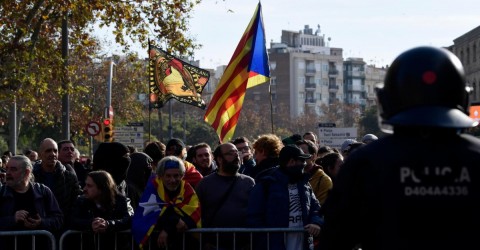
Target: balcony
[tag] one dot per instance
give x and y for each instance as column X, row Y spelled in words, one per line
column 361, row 102
column 333, row 88
column 310, row 71
column 332, row 72
column 310, row 86
column 310, row 101
column 355, row 88
column 357, row 74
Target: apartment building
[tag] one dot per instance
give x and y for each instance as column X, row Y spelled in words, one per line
column 305, row 74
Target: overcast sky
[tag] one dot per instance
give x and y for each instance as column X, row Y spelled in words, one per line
column 376, row 30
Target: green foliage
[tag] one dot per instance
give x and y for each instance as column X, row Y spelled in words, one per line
column 3, row 144
column 34, row 73
column 368, row 123
column 187, row 125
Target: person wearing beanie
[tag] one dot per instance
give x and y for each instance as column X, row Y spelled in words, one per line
column 114, row 158
column 291, row 139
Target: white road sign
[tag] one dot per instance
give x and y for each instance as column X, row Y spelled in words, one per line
column 131, row 135
column 334, row 137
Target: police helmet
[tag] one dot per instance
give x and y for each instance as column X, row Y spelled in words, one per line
column 424, row 86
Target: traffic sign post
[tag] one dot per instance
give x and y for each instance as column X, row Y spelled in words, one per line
column 327, row 125
column 93, row 128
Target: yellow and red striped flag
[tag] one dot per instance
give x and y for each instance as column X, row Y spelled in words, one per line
column 247, row 68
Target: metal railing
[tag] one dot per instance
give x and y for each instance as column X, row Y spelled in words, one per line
column 4, row 235
column 213, row 236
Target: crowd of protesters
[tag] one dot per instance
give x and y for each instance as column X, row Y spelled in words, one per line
column 414, row 189
column 54, row 191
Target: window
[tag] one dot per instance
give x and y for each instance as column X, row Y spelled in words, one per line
column 301, row 80
column 468, row 56
column 474, row 52
column 273, row 80
column 325, row 67
column 301, row 65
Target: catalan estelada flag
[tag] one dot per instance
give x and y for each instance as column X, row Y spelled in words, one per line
column 154, row 202
column 248, row 67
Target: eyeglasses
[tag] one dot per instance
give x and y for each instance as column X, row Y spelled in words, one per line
column 246, row 148
column 232, row 153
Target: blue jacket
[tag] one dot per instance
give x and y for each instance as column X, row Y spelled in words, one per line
column 44, row 202
column 269, row 206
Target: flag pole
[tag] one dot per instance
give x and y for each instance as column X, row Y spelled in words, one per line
column 170, row 128
column 149, row 122
column 149, row 103
column 271, row 105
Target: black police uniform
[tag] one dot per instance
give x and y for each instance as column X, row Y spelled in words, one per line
column 407, row 191
column 418, row 188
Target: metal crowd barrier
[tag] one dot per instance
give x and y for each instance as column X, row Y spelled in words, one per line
column 131, row 244
column 217, row 232
column 5, row 235
column 250, row 231
column 96, row 240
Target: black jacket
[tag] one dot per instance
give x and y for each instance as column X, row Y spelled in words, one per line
column 416, row 189
column 65, row 187
column 84, row 211
column 119, row 219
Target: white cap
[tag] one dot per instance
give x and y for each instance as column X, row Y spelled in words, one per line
column 369, row 137
column 346, row 143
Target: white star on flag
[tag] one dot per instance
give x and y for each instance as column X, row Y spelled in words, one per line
column 151, row 205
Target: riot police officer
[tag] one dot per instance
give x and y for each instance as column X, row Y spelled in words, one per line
column 417, row 188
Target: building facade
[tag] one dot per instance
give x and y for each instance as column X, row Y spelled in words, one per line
column 373, row 76
column 467, row 49
column 354, row 82
column 305, row 74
